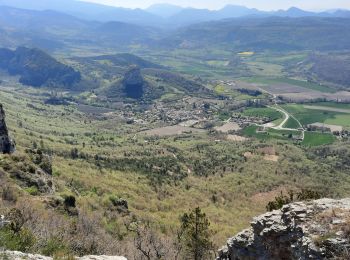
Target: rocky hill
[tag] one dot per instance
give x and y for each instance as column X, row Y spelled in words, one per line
column 36, row 68
column 133, row 83
column 303, row 230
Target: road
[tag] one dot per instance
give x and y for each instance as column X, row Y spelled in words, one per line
column 286, row 118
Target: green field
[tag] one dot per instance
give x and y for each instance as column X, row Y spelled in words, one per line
column 250, row 131
column 263, row 112
column 291, row 123
column 226, row 91
column 309, row 116
column 339, row 119
column 331, row 104
column 316, row 139
column 300, row 83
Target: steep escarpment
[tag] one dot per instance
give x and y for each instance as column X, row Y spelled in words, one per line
column 303, row 230
column 133, row 83
column 6, row 144
column 36, row 68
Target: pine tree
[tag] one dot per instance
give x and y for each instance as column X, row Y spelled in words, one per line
column 196, row 235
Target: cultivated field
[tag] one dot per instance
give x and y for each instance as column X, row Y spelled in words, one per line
column 308, row 114
column 172, row 130
column 228, row 127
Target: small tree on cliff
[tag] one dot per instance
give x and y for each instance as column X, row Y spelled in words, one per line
column 195, row 235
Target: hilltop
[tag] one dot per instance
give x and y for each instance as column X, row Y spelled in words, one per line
column 36, row 68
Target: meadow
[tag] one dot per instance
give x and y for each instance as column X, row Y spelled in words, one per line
column 270, row 134
column 316, row 139
column 266, row 112
column 308, row 116
column 292, row 82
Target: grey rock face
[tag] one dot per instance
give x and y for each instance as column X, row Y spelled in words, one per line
column 133, row 83
column 303, row 230
column 3, row 221
column 6, row 144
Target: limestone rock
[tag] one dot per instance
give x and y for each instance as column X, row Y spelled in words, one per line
column 133, row 83
column 14, row 255
column 303, row 230
column 3, row 221
column 6, row 144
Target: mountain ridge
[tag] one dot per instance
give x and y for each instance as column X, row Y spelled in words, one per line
column 160, row 15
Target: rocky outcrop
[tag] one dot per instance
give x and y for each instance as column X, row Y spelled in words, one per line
column 6, row 144
column 303, row 230
column 14, row 255
column 3, row 221
column 133, row 83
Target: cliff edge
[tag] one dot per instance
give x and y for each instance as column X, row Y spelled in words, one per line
column 317, row 229
column 13, row 255
column 6, row 144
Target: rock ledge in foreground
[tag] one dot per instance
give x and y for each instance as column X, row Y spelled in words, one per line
column 317, row 229
column 14, row 255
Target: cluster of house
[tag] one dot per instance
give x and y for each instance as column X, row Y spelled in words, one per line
column 244, row 121
column 170, row 113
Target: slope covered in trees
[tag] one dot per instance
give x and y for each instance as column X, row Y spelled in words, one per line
column 37, row 69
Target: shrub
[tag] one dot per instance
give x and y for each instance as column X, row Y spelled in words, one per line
column 279, row 202
column 282, row 199
column 54, row 246
column 33, row 190
column 22, row 241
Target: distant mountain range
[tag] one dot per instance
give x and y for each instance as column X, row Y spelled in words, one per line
column 52, row 30
column 265, row 33
column 159, row 15
column 293, row 29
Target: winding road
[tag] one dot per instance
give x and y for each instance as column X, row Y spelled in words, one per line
column 286, row 118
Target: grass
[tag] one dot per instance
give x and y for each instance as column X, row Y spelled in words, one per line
column 316, row 139
column 223, row 90
column 309, row 116
column 246, row 53
column 300, row 83
column 270, row 134
column 339, row 119
column 263, row 112
column 292, row 123
column 265, row 69
column 331, row 104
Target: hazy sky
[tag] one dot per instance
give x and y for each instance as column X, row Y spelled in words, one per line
column 216, row 4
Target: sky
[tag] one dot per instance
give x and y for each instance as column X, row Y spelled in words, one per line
column 314, row 5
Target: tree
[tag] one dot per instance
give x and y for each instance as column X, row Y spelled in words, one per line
column 195, row 235
column 148, row 243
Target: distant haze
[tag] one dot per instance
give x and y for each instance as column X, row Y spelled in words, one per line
column 315, row 5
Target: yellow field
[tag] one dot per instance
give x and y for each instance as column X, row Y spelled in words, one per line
column 246, row 53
